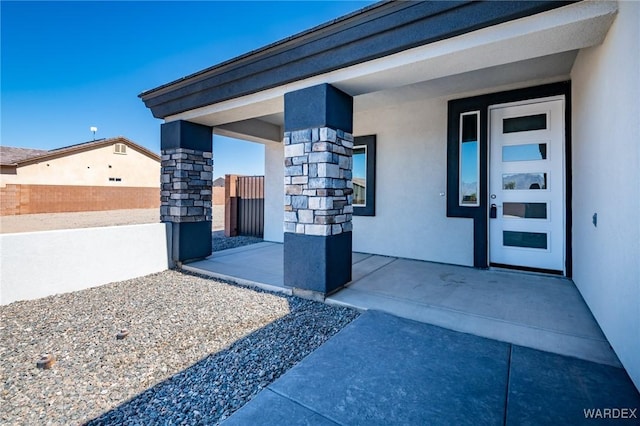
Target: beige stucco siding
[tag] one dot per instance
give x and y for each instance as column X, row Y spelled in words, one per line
column 411, row 173
column 606, row 181
column 90, row 168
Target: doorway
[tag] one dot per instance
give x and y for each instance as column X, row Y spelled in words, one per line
column 527, row 185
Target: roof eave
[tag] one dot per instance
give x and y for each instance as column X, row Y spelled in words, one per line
column 377, row 31
column 265, row 50
column 87, row 147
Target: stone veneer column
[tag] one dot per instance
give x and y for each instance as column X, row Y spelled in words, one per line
column 318, row 149
column 186, row 185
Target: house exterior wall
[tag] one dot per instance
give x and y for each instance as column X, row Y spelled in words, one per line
column 90, row 168
column 411, row 168
column 606, row 181
column 410, row 218
column 218, row 196
column 411, row 172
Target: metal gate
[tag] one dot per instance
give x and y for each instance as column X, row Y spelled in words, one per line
column 244, row 205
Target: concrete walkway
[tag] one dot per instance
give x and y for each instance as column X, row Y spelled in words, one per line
column 383, row 370
column 534, row 311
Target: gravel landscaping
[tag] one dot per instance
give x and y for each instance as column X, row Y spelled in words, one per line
column 219, row 242
column 196, row 351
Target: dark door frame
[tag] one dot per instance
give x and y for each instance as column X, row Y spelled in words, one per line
column 480, row 213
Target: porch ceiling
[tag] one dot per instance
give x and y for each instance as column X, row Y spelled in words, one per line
column 537, row 47
column 543, row 69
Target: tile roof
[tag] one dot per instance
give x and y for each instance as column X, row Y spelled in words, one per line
column 87, row 144
column 11, row 155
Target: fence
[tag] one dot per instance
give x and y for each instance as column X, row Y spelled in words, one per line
column 244, row 205
column 28, row 199
column 39, row 264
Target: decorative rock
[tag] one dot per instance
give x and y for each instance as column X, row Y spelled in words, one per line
column 46, row 361
column 122, row 334
column 197, row 359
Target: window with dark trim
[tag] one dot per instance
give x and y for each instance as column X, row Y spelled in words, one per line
column 469, row 170
column 364, row 176
column 359, row 176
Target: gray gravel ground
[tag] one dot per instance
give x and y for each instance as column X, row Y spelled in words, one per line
column 220, row 242
column 198, row 349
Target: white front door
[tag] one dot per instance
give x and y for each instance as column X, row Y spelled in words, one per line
column 526, row 185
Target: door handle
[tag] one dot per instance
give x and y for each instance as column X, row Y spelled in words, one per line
column 493, row 211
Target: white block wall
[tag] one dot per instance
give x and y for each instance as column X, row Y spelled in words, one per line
column 606, row 181
column 39, row 264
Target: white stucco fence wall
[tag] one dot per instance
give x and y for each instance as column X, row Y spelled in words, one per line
column 606, row 181
column 39, row 264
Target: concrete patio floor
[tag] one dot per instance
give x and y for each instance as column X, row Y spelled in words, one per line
column 382, row 370
column 532, row 311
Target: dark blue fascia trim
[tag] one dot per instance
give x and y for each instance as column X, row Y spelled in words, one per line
column 378, row 31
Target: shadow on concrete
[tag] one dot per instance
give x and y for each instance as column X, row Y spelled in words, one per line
column 385, row 370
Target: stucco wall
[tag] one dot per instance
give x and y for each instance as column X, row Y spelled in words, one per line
column 218, row 196
column 411, row 172
column 90, row 168
column 410, row 218
column 39, row 264
column 273, row 192
column 606, row 181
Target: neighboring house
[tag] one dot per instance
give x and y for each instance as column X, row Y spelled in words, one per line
column 104, row 174
column 496, row 134
column 218, row 192
column 359, row 191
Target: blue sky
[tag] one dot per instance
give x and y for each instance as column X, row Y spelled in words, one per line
column 67, row 66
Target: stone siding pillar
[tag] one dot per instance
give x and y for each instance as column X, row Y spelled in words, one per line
column 186, row 188
column 318, row 149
